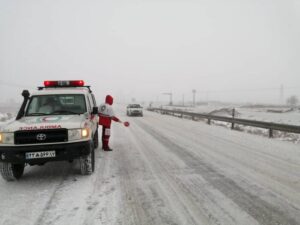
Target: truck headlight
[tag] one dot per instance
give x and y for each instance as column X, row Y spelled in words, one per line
column 77, row 134
column 6, row 138
column 85, row 132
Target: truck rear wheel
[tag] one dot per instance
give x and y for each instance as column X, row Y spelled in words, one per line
column 96, row 140
column 87, row 162
column 10, row 171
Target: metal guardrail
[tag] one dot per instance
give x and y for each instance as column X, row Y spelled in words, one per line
column 253, row 123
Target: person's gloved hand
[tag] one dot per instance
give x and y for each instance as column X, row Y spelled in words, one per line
column 126, row 124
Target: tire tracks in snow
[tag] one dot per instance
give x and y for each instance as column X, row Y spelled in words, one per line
column 69, row 202
column 181, row 202
column 142, row 201
column 103, row 188
column 52, row 198
column 262, row 211
column 275, row 178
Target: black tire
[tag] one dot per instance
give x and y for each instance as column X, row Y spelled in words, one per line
column 11, row 172
column 93, row 160
column 96, row 140
column 87, row 162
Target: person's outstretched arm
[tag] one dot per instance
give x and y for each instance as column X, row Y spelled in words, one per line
column 116, row 119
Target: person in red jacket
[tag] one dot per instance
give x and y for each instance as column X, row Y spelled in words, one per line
column 106, row 115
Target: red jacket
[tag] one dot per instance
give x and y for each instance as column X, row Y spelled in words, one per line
column 106, row 113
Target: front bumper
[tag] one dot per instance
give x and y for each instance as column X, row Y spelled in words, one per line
column 135, row 113
column 64, row 152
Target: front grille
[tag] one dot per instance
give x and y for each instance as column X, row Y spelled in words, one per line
column 41, row 136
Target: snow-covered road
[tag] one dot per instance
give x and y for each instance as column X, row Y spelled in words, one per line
column 165, row 170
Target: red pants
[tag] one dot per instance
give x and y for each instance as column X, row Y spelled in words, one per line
column 105, row 137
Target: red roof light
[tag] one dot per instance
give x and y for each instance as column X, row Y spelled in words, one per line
column 77, row 83
column 64, row 83
column 49, row 83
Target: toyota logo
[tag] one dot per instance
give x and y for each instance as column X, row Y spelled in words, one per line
column 41, row 137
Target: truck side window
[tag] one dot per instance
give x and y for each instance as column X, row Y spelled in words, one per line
column 94, row 100
column 89, row 104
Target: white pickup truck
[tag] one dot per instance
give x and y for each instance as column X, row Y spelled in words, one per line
column 59, row 122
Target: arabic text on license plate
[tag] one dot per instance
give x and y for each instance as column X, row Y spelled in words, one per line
column 37, row 155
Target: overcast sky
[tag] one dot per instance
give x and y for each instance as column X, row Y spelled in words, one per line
column 233, row 50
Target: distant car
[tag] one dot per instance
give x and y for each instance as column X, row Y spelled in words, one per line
column 134, row 110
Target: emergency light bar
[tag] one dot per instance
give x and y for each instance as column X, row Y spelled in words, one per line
column 64, row 83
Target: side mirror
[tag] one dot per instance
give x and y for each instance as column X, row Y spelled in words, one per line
column 95, row 110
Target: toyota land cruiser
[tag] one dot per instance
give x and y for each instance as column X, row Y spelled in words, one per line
column 59, row 122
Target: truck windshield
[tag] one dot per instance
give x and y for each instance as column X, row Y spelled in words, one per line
column 134, row 106
column 65, row 104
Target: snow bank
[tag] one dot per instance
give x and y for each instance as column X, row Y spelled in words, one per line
column 5, row 118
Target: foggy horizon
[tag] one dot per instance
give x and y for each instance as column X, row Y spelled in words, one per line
column 233, row 51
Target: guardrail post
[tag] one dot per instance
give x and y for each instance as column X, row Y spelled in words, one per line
column 270, row 133
column 233, row 115
column 232, row 125
column 208, row 121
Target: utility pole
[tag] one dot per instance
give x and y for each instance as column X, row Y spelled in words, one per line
column 281, row 94
column 171, row 95
column 194, row 97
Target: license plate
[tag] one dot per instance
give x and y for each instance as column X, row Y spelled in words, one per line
column 38, row 155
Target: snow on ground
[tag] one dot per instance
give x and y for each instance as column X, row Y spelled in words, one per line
column 6, row 118
column 285, row 115
column 282, row 115
column 164, row 170
column 7, row 113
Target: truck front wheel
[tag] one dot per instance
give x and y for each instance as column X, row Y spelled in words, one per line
column 87, row 162
column 10, row 171
column 96, row 140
